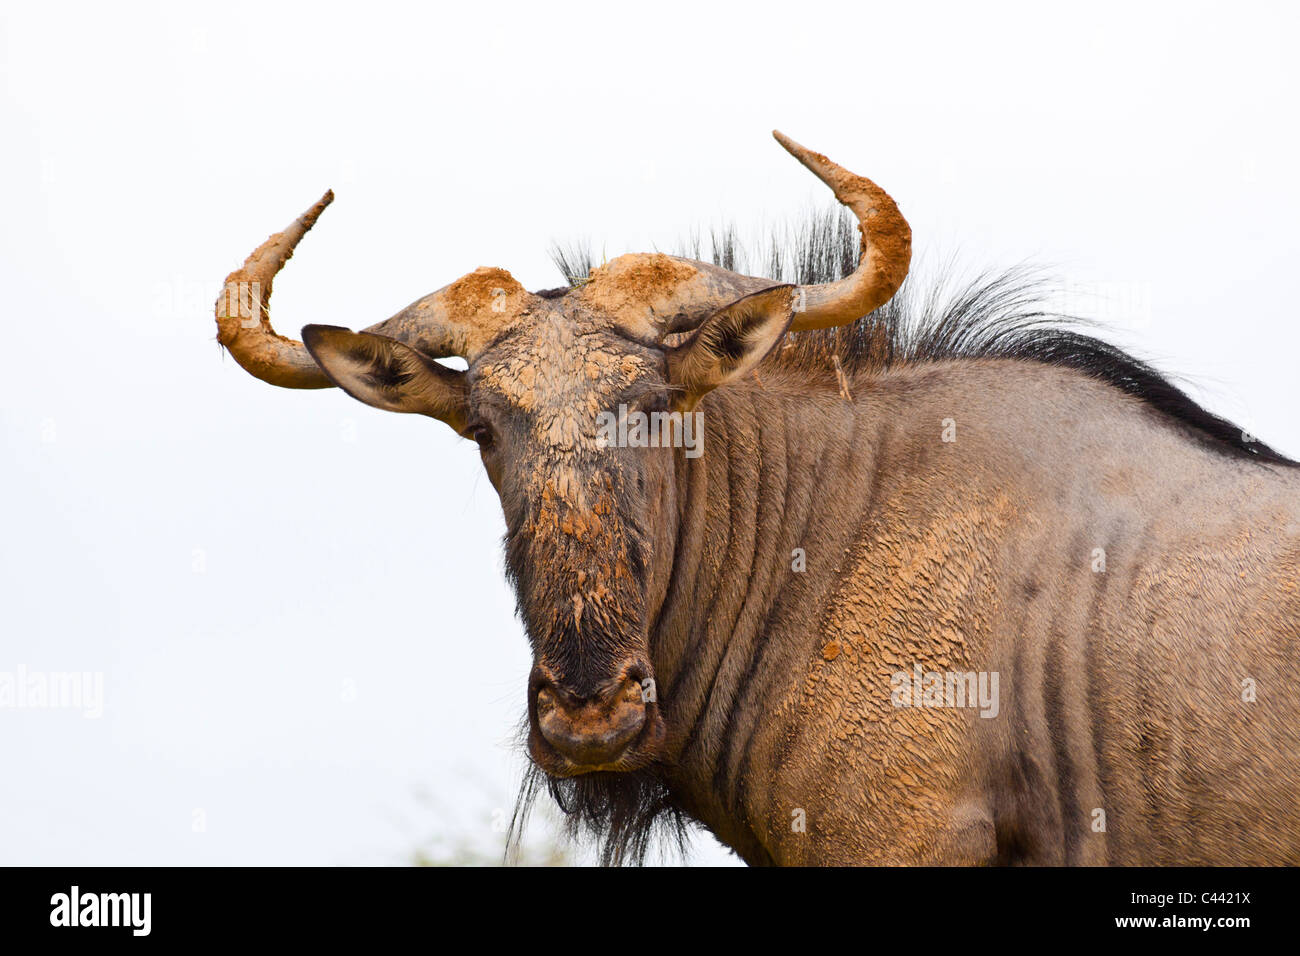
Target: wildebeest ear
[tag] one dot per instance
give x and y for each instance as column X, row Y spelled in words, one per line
column 385, row 373
column 730, row 343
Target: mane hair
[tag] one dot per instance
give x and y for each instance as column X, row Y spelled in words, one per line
column 997, row 314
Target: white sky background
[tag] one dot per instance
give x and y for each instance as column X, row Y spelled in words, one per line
column 234, row 557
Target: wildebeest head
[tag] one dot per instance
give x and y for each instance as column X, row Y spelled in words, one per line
column 590, row 532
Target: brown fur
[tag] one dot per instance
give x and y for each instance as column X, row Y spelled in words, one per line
column 1121, row 690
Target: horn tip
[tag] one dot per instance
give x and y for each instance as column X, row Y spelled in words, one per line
column 308, row 219
column 789, row 144
column 812, row 160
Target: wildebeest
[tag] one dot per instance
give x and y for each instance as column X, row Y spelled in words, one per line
column 956, row 586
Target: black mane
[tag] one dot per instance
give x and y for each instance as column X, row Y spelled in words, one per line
column 994, row 315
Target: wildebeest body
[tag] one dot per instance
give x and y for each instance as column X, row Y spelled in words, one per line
column 1121, row 688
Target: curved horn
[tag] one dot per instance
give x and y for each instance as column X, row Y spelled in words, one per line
column 459, row 319
column 886, row 247
column 654, row 295
column 244, row 319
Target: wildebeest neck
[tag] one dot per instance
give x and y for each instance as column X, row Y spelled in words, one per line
column 751, row 512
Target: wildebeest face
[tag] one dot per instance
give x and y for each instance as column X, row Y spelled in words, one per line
column 588, row 523
column 590, row 514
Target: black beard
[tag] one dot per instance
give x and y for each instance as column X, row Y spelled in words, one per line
column 623, row 812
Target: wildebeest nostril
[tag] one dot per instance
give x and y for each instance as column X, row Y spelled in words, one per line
column 545, row 700
column 595, row 731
